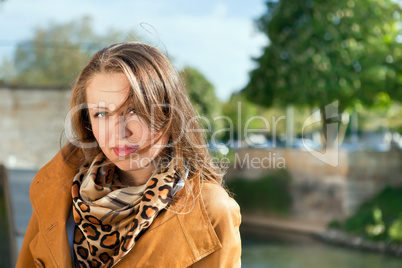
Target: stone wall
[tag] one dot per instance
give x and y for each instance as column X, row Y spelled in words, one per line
column 31, row 125
column 321, row 191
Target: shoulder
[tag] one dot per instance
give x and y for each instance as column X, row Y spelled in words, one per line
column 47, row 169
column 56, row 171
column 58, row 165
column 220, row 207
column 216, row 197
column 53, row 164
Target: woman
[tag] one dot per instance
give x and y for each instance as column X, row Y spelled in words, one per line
column 135, row 185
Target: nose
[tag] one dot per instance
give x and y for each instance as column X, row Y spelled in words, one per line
column 121, row 131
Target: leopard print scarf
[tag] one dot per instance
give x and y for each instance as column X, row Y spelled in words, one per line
column 109, row 217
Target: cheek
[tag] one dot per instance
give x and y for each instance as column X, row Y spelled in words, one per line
column 100, row 132
column 160, row 145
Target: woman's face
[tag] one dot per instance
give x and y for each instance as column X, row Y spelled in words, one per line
column 120, row 136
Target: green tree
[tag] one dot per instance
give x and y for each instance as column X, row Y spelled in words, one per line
column 326, row 51
column 56, row 53
column 202, row 95
column 239, row 110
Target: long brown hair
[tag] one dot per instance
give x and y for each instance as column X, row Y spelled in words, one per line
column 158, row 97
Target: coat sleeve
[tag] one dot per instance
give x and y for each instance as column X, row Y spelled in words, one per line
column 224, row 214
column 25, row 258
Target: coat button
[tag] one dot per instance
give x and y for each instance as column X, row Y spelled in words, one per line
column 39, row 263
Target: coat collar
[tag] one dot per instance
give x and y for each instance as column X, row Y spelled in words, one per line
column 51, row 200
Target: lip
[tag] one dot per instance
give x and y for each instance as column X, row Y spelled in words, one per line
column 125, row 150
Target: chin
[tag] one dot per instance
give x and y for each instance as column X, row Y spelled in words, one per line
column 132, row 162
column 125, row 165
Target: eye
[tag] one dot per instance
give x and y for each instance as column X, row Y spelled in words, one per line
column 100, row 114
column 131, row 111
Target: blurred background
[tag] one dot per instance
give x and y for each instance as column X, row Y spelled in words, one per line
column 303, row 98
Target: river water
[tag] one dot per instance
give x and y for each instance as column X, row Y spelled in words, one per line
column 277, row 253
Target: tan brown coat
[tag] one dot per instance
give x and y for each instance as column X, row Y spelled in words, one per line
column 208, row 236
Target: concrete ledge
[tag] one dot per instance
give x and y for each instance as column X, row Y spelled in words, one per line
column 285, row 224
column 297, row 230
column 341, row 238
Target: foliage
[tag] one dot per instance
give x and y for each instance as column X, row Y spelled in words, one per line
column 378, row 227
column 322, row 51
column 379, row 218
column 247, row 116
column 202, row 95
column 268, row 194
column 395, row 230
column 379, row 119
column 56, row 53
column 326, row 51
column 334, row 224
column 238, row 110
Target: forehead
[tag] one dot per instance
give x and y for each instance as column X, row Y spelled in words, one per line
column 107, row 88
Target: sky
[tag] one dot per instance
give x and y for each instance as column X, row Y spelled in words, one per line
column 218, row 38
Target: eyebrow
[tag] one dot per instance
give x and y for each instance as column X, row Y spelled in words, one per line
column 98, row 107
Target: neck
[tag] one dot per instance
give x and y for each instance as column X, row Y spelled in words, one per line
column 140, row 176
column 135, row 177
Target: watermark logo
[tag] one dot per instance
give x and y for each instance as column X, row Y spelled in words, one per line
column 269, row 161
column 246, row 135
column 328, row 154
